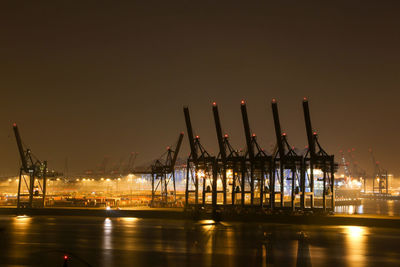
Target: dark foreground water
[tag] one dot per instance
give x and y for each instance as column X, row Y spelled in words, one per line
column 92, row 241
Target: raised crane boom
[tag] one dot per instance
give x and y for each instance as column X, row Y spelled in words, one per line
column 33, row 191
column 218, row 128
column 190, row 134
column 278, row 131
column 131, row 162
column 377, row 171
column 247, row 130
column 24, row 160
column 176, row 152
column 310, row 135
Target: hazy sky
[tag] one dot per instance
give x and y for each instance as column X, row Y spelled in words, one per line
column 84, row 80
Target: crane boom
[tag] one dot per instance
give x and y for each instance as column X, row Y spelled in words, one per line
column 24, row 161
column 178, row 146
column 190, row 133
column 377, row 171
column 307, row 119
column 218, row 128
column 247, row 129
column 278, row 131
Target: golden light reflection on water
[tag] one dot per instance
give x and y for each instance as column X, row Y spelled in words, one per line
column 350, row 209
column 107, row 234
column 129, row 219
column 208, row 227
column 390, row 204
column 356, row 241
column 22, row 223
column 207, row 222
column 230, row 242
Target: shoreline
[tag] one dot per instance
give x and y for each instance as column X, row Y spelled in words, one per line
column 180, row 214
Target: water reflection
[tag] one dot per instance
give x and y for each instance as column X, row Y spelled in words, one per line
column 372, row 206
column 107, row 242
column 129, row 219
column 390, row 204
column 303, row 251
column 205, row 222
column 107, row 233
column 148, row 242
column 22, row 224
column 356, row 240
column 350, row 209
column 22, row 219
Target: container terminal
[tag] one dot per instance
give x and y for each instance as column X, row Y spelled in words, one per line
column 285, row 180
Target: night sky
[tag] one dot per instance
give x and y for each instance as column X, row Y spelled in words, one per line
column 85, row 80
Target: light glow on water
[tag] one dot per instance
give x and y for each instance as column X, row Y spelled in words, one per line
column 107, row 233
column 151, row 242
column 22, row 222
column 129, row 219
column 355, row 232
column 207, row 222
column 356, row 238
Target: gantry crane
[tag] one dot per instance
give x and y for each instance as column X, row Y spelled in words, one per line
column 318, row 159
column 231, row 165
column 288, row 161
column 357, row 172
column 380, row 176
column 259, row 164
column 163, row 173
column 345, row 164
column 200, row 165
column 32, row 177
column 131, row 163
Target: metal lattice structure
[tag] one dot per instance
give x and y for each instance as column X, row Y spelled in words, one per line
column 253, row 178
column 163, row 175
column 380, row 182
column 201, row 168
column 316, row 158
column 288, row 166
column 32, row 177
